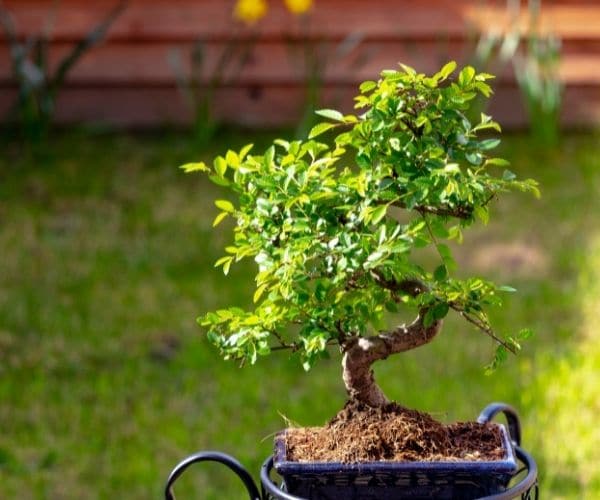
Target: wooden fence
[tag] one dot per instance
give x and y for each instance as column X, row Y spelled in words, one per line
column 129, row 80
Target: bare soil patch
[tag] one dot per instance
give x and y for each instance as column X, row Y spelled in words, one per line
column 518, row 258
column 359, row 433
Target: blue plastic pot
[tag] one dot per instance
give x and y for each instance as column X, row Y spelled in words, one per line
column 396, row 480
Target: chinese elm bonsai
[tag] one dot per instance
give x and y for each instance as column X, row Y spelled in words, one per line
column 338, row 227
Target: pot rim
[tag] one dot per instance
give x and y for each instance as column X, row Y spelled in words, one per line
column 506, row 465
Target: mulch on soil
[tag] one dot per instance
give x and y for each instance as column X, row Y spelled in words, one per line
column 360, row 433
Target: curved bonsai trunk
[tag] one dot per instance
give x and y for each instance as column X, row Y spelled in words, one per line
column 360, row 353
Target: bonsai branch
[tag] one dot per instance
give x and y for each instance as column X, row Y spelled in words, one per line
column 361, row 352
column 282, row 343
column 412, row 287
column 294, row 347
column 485, row 328
column 416, row 131
column 458, row 212
column 464, row 212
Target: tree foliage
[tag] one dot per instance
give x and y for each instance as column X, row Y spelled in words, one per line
column 338, row 226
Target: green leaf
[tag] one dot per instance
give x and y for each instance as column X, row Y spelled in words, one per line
column 332, row 114
column 367, row 86
column 446, row 255
column 499, row 358
column 225, row 262
column 390, row 73
column 320, row 128
column 484, row 76
column 488, row 144
column 455, row 233
column 452, row 168
column 440, row 310
column 421, row 120
column 440, row 273
column 429, row 318
column 225, row 205
column 438, row 228
column 222, row 260
column 212, row 337
column 484, row 88
column 220, row 165
column 525, row 334
column 408, row 70
column 283, row 143
column 269, row 157
column 499, row 162
column 259, row 291
column 532, row 186
column 379, row 213
column 391, row 306
column 483, row 214
column 219, row 218
column 263, row 349
column 361, row 102
column 483, row 126
column 508, row 289
column 363, row 160
column 395, row 143
column 232, row 159
column 244, row 151
column 195, row 167
column 375, row 256
column 474, row 158
column 507, row 175
column 447, row 70
column 466, row 75
column 219, row 181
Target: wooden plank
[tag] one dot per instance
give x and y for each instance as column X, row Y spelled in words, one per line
column 269, row 107
column 133, row 65
column 152, row 20
column 209, row 19
column 151, row 64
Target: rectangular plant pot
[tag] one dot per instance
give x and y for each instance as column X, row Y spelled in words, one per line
column 395, row 480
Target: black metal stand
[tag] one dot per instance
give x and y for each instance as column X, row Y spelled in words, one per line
column 526, row 488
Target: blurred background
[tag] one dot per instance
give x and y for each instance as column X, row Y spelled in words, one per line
column 107, row 249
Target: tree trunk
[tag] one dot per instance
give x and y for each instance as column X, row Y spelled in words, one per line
column 361, row 352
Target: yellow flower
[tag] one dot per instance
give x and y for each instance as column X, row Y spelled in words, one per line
column 298, row 7
column 250, row 11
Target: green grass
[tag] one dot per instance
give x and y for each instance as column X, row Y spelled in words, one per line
column 106, row 253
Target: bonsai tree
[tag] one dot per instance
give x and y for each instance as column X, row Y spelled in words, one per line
column 340, row 228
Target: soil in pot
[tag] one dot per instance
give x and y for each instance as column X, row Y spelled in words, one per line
column 359, row 433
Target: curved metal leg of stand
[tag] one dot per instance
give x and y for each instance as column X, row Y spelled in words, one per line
column 512, row 419
column 526, row 488
column 269, row 488
column 212, row 456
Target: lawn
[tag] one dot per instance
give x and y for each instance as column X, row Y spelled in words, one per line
column 106, row 381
